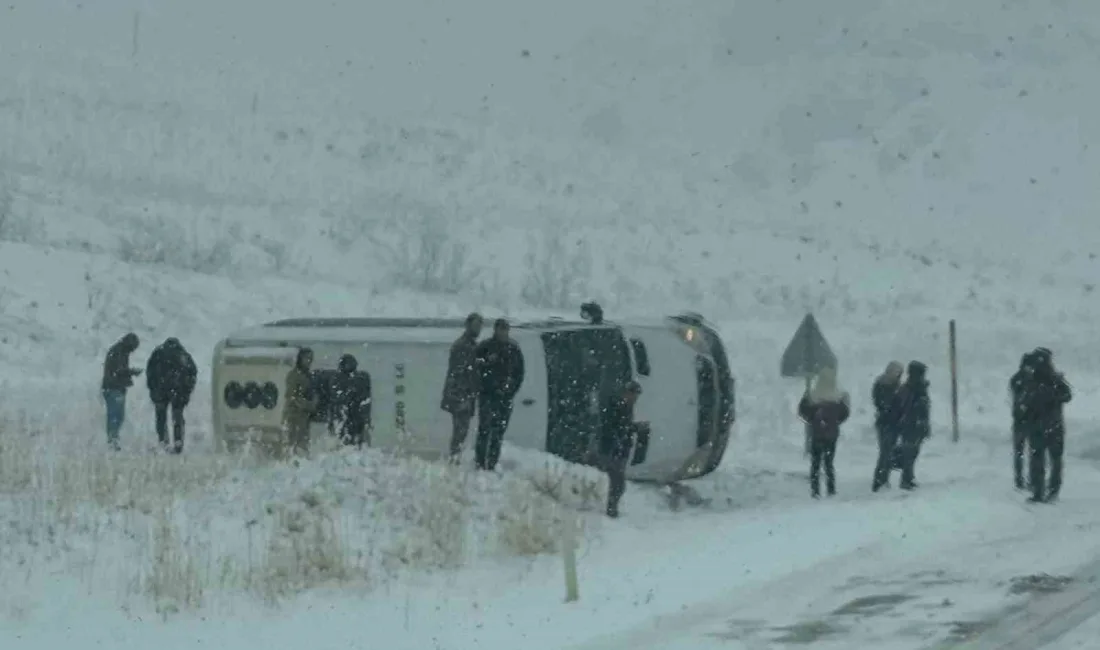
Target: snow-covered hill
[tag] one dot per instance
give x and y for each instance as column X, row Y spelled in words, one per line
column 187, row 168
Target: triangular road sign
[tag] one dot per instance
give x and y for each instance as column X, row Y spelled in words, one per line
column 808, row 352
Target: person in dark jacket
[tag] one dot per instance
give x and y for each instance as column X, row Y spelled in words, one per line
column 884, row 395
column 1017, row 387
column 170, row 375
column 300, row 403
column 824, row 408
column 915, row 424
column 118, row 377
column 500, row 370
column 460, row 388
column 1045, row 399
column 618, row 432
column 352, row 402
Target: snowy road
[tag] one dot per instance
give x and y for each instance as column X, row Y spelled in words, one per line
column 1067, row 619
column 1001, row 573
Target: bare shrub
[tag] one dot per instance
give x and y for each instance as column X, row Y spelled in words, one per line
column 572, row 486
column 174, row 580
column 304, row 550
column 158, row 240
column 427, row 254
column 558, row 268
column 344, row 228
column 7, row 201
column 438, row 519
column 530, row 523
column 20, row 226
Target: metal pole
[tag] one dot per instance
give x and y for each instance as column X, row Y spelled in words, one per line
column 954, row 383
column 807, row 441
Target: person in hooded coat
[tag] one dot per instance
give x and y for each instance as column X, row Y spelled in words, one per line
column 118, row 377
column 352, row 402
column 618, row 434
column 884, row 395
column 915, row 423
column 1017, row 388
column 824, row 408
column 300, row 403
column 460, row 388
column 1045, row 399
column 170, row 376
column 500, row 367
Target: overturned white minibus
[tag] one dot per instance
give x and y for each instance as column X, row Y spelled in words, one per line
column 680, row 361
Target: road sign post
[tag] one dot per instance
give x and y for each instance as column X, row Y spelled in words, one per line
column 806, row 355
column 954, row 382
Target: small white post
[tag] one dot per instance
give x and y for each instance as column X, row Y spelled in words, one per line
column 569, row 555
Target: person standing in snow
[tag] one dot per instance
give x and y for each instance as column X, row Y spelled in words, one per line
column 500, row 369
column 460, row 388
column 618, row 433
column 170, row 375
column 118, row 377
column 824, row 408
column 300, row 403
column 1045, row 399
column 915, row 424
column 1017, row 388
column 884, row 395
column 352, row 402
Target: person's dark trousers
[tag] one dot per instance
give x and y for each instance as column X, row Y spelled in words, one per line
column 493, row 417
column 910, row 450
column 1056, row 446
column 1019, row 447
column 1037, row 464
column 615, row 467
column 822, row 452
column 460, row 428
column 161, row 409
column 354, row 432
column 887, row 442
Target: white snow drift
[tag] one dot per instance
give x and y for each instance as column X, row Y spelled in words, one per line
column 186, row 169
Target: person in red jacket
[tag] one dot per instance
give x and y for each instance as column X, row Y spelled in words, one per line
column 824, row 408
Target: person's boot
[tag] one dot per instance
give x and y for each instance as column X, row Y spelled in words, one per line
column 613, row 508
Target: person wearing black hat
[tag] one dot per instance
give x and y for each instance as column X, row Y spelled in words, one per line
column 353, row 401
column 1045, row 400
column 460, row 388
column 500, row 370
column 1018, row 386
column 915, row 422
column 618, row 433
column 300, row 403
column 170, row 375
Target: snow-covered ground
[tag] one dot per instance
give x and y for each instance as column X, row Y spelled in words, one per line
column 187, row 168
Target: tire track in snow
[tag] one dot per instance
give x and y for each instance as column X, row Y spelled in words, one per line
column 868, row 560
column 1043, row 620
